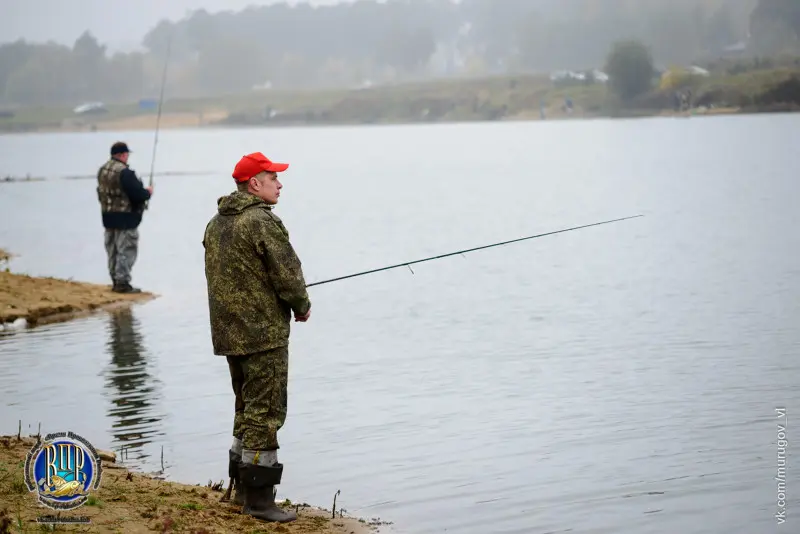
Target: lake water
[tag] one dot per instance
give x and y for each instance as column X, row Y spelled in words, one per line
column 617, row 379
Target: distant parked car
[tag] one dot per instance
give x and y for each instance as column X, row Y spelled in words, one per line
column 90, row 108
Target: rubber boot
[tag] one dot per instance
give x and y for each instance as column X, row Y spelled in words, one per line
column 259, row 500
column 233, row 472
column 125, row 288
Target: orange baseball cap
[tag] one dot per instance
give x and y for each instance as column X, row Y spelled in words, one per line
column 254, row 163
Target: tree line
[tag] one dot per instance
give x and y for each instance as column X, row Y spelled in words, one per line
column 348, row 44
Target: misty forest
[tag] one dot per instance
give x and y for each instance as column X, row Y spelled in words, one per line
column 349, row 45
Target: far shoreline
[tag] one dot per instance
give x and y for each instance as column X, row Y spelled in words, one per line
column 751, row 89
column 177, row 124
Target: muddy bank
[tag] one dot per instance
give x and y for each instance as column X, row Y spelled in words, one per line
column 27, row 301
column 130, row 502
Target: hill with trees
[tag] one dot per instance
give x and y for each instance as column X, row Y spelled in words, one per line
column 367, row 43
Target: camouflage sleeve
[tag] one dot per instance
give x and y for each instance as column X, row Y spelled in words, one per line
column 283, row 266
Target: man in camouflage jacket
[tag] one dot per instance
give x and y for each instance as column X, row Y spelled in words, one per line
column 255, row 282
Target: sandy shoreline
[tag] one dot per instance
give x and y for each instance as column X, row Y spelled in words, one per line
column 216, row 119
column 131, row 502
column 168, row 121
column 27, row 301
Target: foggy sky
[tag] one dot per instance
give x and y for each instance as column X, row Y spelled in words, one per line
column 119, row 23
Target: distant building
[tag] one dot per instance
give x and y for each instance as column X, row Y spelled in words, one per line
column 148, row 104
column 565, row 76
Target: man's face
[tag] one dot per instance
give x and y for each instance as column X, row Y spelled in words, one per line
column 123, row 157
column 266, row 186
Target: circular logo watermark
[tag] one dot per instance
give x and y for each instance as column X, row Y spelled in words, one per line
column 62, row 469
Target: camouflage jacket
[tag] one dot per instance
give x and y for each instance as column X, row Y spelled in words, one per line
column 254, row 277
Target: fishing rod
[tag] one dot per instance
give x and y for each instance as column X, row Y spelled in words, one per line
column 410, row 263
column 160, row 105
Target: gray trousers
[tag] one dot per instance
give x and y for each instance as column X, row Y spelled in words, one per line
column 122, row 247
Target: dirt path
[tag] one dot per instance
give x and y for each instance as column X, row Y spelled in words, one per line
column 134, row 503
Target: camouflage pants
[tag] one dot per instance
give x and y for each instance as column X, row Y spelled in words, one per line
column 260, row 383
column 122, row 247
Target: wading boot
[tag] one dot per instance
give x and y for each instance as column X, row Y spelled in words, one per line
column 125, row 288
column 259, row 500
column 233, row 472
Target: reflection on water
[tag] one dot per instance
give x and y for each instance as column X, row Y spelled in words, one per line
column 131, row 388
